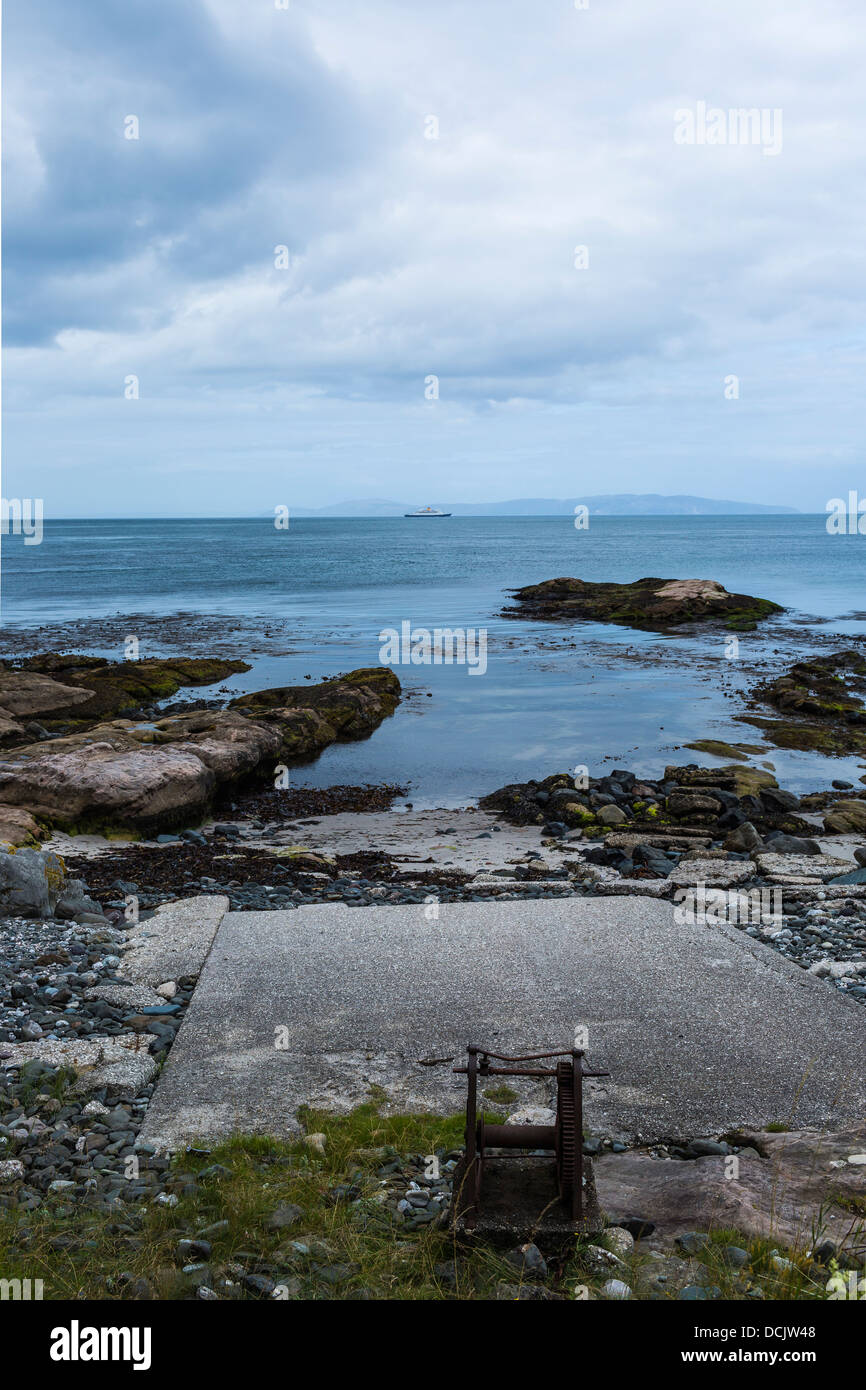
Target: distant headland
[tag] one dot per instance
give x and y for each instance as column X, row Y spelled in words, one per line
column 606, row 504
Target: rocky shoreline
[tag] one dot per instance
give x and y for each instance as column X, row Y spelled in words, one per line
column 81, row 1041
column 71, row 1152
column 105, row 758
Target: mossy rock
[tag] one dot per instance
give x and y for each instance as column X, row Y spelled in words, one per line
column 653, row 604
column 352, row 705
column 119, row 688
column 820, row 703
column 719, row 749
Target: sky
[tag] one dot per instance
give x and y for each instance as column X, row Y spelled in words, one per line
column 260, row 256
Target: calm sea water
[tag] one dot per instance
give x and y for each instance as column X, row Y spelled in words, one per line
column 312, row 601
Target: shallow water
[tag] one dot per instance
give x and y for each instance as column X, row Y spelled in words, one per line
column 312, row 601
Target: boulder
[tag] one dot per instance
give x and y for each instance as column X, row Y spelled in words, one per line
column 821, row 705
column 744, row 839
column 148, row 775
column 846, row 816
column 353, row 705
column 105, row 781
column 856, row 876
column 612, row 815
column 779, row 843
column 104, row 689
column 74, row 903
column 31, row 882
column 777, row 799
column 303, row 732
column 692, row 803
column 18, row 827
column 742, row 781
column 26, row 693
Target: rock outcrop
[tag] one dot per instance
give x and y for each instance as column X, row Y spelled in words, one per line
column 687, row 802
column 67, row 693
column 655, row 604
column 162, row 773
column 820, row 704
column 793, row 1188
column 31, row 882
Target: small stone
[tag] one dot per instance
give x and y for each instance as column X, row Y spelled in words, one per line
column 259, row 1284
column 194, row 1249
column 616, row 1288
column 217, row 1228
column 598, row 1260
column 529, row 1260
column 343, row 1192
column 283, row 1216
column 168, row 990
column 619, row 1241
column 704, row 1148
column 693, row 1242
column 315, row 1141
column 735, row 1256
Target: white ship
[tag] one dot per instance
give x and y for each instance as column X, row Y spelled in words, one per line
column 427, row 511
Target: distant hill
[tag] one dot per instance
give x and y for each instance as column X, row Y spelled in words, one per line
column 606, row 504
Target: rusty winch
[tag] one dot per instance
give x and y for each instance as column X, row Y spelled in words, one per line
column 564, row 1139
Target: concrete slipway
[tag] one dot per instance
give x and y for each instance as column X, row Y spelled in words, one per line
column 700, row 1027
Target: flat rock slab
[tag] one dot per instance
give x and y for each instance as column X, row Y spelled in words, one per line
column 700, row 1027
column 716, row 873
column 803, row 1189
column 120, row 1062
column 172, row 943
column 809, row 867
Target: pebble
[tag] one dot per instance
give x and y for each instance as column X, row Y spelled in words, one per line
column 616, row 1288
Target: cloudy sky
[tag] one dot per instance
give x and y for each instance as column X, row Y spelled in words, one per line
column 430, row 169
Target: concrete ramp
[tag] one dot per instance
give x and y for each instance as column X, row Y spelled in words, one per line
column 700, row 1027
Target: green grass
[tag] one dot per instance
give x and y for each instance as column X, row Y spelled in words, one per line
column 81, row 1253
column 500, row 1095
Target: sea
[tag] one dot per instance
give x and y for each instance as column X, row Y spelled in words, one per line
column 314, row 598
